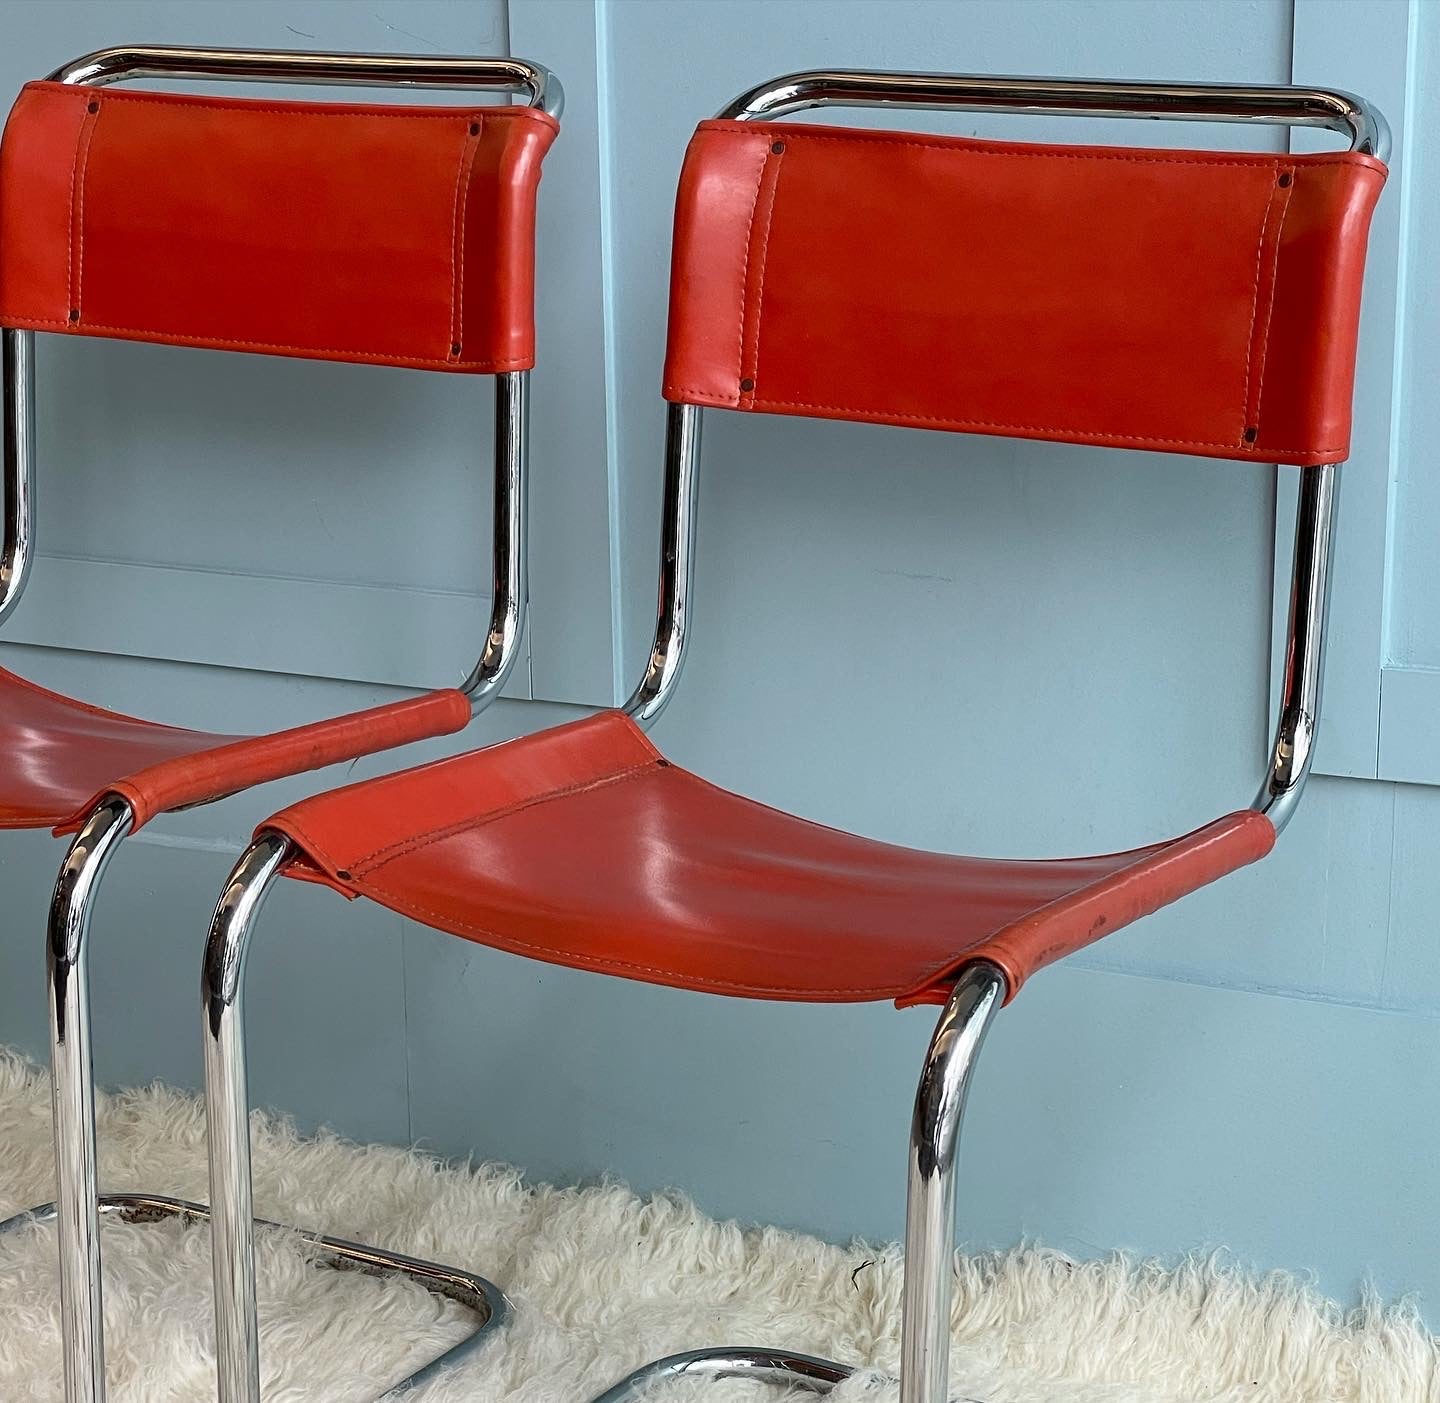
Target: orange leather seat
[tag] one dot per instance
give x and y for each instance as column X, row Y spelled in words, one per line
column 59, row 757
column 583, row 846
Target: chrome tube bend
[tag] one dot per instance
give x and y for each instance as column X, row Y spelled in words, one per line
column 227, row 1107
column 930, row 1208
column 72, row 1090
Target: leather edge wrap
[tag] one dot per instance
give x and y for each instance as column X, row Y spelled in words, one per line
column 251, row 760
column 471, row 788
column 1155, row 879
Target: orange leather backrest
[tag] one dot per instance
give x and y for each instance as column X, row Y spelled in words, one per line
column 1173, row 300
column 395, row 235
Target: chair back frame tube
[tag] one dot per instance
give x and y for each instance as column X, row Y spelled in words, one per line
column 509, row 600
column 17, row 534
column 1292, row 748
column 1310, row 577
column 1331, row 108
column 677, row 563
column 510, row 592
column 435, row 71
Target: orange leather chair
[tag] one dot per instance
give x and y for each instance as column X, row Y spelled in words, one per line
column 1062, row 317
column 380, row 234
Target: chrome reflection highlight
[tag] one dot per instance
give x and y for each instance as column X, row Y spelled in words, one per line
column 474, row 1292
column 935, row 1126
column 505, row 75
column 510, row 533
column 1331, row 108
column 1304, row 644
column 771, row 1366
column 930, row 1206
column 227, row 1117
column 16, row 546
column 677, row 564
column 72, row 1093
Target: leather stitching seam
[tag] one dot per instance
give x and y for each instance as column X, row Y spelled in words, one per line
column 438, row 362
column 87, row 140
column 1254, row 315
column 745, row 271
column 760, row 269
column 1099, row 435
column 1264, row 350
column 1156, row 860
column 468, row 149
column 74, row 261
column 602, row 963
column 372, row 861
column 327, row 109
column 1277, row 163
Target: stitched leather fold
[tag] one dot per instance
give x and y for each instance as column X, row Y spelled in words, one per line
column 386, row 234
column 1179, row 301
column 582, row 846
column 59, row 757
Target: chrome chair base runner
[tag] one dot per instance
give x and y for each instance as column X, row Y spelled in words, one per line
column 474, row 1292
column 773, row 1366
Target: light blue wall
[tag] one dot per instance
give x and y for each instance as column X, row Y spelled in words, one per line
column 957, row 643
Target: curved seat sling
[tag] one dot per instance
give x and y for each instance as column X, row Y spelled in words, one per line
column 386, row 235
column 890, row 277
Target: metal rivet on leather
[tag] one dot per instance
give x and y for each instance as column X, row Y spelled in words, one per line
column 93, row 107
column 454, row 348
column 1251, row 434
column 74, row 314
column 1285, row 178
column 474, row 128
column 777, row 147
column 746, row 386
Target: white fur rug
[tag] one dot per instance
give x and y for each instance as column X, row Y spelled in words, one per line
column 602, row 1281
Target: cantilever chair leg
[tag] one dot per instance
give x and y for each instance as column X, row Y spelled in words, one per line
column 929, row 1226
column 222, row 988
column 771, row 1366
column 72, row 1085
column 930, row 1204
column 78, row 1207
column 227, row 1104
column 474, row 1292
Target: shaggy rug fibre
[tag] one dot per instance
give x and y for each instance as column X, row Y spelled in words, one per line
column 602, row 1281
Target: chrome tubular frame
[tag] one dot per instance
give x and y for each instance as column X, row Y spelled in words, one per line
column 1304, row 644
column 18, row 355
column 981, row 989
column 771, row 1366
column 227, row 1117
column 474, row 1292
column 440, row 71
column 77, row 1208
column 935, row 1127
column 72, row 1091
column 1072, row 97
column 930, row 1202
column 510, row 534
column 677, row 563
column 227, row 1110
